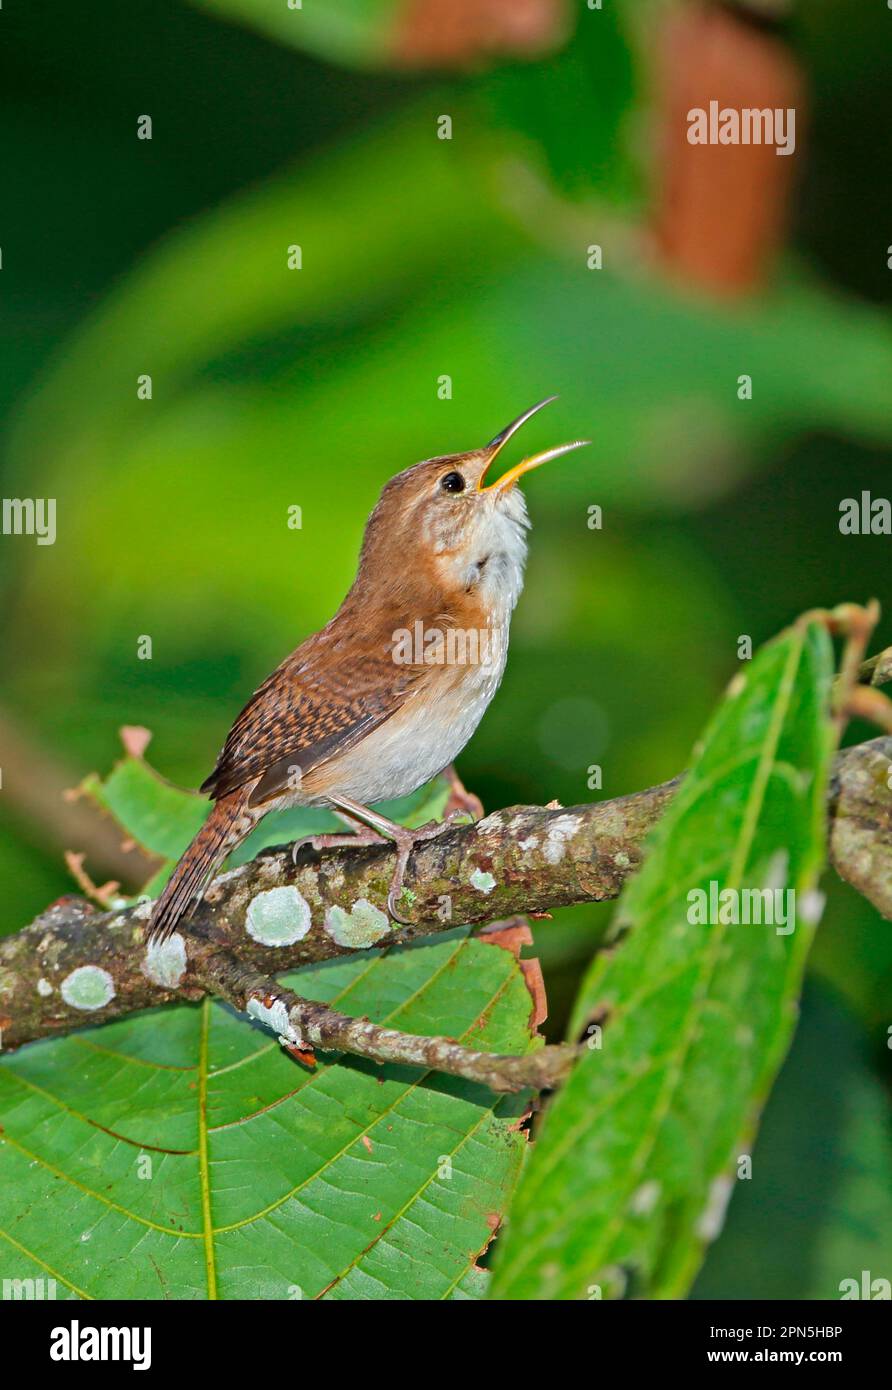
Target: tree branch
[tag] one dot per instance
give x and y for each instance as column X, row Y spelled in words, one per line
column 74, row 966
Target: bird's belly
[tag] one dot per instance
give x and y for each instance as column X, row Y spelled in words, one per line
column 413, row 746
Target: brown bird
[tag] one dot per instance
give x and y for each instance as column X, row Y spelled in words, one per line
column 391, row 689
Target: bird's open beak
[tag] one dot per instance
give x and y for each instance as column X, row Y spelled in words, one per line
column 496, row 445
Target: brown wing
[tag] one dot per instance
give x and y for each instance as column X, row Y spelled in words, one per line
column 323, row 698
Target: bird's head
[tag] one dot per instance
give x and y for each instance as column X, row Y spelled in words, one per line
column 448, row 522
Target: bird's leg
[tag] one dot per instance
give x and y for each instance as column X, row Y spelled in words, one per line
column 404, row 839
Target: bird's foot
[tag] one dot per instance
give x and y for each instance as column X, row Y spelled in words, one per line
column 405, row 841
column 364, row 835
column 400, row 836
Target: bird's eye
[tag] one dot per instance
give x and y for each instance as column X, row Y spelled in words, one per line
column 452, row 482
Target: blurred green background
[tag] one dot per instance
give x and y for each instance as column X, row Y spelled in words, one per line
column 424, row 258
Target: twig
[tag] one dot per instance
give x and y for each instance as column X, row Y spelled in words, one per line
column 303, row 1024
column 877, row 670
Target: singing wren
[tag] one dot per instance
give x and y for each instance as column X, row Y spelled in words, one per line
column 359, row 714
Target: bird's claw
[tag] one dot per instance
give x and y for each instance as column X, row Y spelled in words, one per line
column 392, row 909
column 299, row 845
column 404, row 847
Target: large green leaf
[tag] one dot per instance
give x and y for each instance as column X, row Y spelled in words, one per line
column 183, row 1154
column 188, row 1156
column 637, row 1154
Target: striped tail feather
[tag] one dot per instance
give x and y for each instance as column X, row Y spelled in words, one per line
column 226, row 827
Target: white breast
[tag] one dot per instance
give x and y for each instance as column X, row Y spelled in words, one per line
column 421, row 739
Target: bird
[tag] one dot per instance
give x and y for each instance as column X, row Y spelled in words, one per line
column 388, row 693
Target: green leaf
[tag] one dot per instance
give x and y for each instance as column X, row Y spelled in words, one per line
column 637, row 1154
column 473, row 1286
column 159, row 816
column 355, row 32
column 183, row 1154
column 188, row 1156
